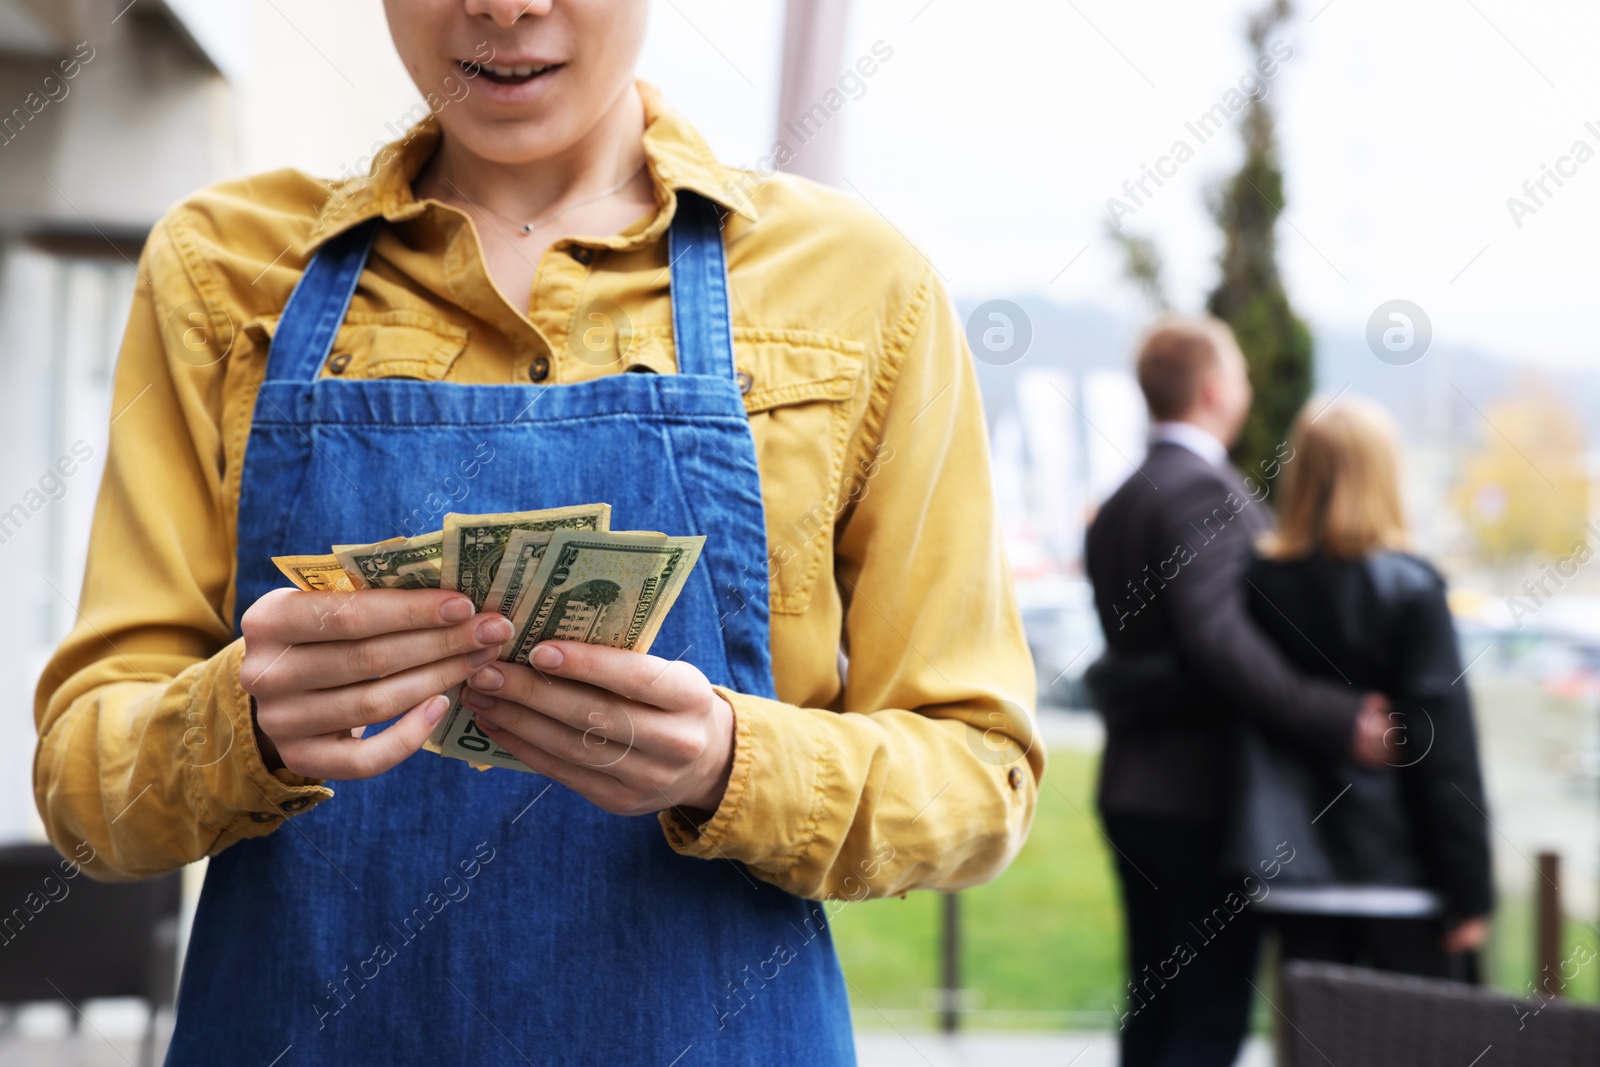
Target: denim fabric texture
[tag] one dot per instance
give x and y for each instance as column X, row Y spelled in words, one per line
column 438, row 914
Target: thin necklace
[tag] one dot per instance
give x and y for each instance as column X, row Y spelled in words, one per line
column 525, row 228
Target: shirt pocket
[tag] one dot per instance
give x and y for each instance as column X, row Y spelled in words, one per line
column 800, row 401
column 399, row 343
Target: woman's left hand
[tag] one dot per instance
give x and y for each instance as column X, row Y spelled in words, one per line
column 633, row 733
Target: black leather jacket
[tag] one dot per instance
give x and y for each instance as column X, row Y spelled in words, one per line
column 1383, row 623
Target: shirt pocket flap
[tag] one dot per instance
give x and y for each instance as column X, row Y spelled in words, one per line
column 399, row 343
column 795, row 367
column 803, row 391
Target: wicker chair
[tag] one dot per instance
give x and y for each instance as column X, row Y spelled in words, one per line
column 75, row 939
column 1356, row 1017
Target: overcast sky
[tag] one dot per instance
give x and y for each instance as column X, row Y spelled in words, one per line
column 996, row 132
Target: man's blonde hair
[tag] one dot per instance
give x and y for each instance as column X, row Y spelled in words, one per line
column 1174, row 357
column 1341, row 490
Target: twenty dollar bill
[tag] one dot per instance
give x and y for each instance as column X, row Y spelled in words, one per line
column 398, row 563
column 475, row 544
column 609, row 589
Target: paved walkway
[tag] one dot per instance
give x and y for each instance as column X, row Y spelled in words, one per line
column 911, row 1049
column 876, row 1049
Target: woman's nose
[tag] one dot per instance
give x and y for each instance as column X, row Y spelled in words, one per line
column 507, row 12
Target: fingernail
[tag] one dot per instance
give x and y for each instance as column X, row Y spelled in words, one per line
column 458, row 609
column 489, row 678
column 476, row 699
column 483, row 655
column 494, row 631
column 436, row 709
column 547, row 656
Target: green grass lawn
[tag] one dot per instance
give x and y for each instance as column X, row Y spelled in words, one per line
column 1043, row 942
column 1511, row 953
column 1045, row 937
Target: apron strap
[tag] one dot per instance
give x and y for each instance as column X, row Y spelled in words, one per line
column 702, row 326
column 318, row 304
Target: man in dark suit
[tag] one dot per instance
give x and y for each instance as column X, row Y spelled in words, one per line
column 1167, row 555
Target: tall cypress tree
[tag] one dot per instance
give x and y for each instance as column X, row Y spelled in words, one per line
column 1250, row 296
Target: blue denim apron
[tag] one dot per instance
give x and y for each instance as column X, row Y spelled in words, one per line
column 441, row 915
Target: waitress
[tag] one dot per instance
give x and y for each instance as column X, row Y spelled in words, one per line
column 836, row 707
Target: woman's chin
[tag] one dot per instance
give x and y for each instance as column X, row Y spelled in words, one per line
column 513, row 139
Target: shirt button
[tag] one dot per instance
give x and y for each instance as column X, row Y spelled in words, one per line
column 339, row 362
column 540, row 370
column 582, row 255
column 263, row 816
column 1015, row 778
column 745, row 382
column 296, row 804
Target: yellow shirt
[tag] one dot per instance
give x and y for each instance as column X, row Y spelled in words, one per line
column 914, row 766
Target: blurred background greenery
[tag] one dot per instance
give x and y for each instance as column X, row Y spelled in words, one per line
column 1043, row 942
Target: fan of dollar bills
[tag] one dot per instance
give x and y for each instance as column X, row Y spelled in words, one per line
column 556, row 574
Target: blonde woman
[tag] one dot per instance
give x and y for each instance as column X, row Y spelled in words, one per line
column 1395, row 873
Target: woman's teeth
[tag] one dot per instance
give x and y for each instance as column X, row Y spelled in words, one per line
column 507, row 73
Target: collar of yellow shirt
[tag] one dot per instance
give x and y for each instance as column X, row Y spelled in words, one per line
column 678, row 158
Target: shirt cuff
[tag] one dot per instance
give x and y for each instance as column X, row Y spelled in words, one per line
column 233, row 787
column 767, row 829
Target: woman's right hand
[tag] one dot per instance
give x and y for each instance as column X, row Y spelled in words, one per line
column 320, row 667
column 1467, row 935
column 1371, row 742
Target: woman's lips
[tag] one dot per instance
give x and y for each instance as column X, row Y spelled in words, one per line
column 510, row 84
column 508, row 74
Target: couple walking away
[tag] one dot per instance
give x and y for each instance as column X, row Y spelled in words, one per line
column 1289, row 745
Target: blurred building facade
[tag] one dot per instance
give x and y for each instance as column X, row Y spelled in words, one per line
column 109, row 112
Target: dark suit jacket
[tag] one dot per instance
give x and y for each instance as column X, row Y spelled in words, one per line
column 1167, row 555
